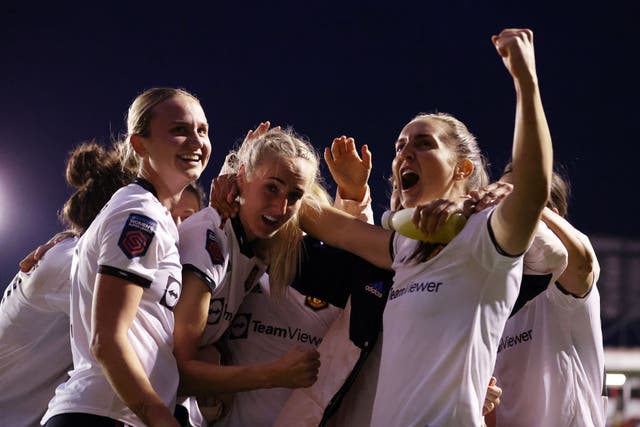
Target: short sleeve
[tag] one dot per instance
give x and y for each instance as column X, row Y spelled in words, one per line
column 203, row 246
column 130, row 244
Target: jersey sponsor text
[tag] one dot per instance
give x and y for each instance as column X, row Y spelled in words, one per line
column 510, row 341
column 415, row 287
column 286, row 333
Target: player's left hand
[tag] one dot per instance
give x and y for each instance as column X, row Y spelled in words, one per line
column 36, row 255
column 348, row 169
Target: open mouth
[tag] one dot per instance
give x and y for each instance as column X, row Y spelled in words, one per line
column 269, row 220
column 409, row 179
column 190, row 157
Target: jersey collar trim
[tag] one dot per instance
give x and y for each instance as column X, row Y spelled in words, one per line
column 241, row 237
column 146, row 185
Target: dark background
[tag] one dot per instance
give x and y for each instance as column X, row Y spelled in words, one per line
column 68, row 74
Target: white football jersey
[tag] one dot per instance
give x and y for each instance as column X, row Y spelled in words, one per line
column 551, row 361
column 222, row 257
column 35, row 353
column 133, row 238
column 441, row 329
column 263, row 330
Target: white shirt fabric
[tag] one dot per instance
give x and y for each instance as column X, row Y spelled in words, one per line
column 551, row 361
column 133, row 237
column 441, row 329
column 35, row 353
column 264, row 329
column 546, row 254
column 225, row 263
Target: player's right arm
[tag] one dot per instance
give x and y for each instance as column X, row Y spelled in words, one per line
column 297, row 368
column 115, row 303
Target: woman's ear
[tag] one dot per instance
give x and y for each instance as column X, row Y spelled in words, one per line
column 242, row 177
column 464, row 168
column 137, row 142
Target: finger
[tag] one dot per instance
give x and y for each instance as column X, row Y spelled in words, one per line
column 338, row 148
column 366, row 156
column 439, row 216
column 488, row 407
column 42, row 249
column 350, row 147
column 328, row 158
column 27, row 262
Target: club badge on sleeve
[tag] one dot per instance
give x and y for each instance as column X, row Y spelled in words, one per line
column 137, row 235
column 213, row 249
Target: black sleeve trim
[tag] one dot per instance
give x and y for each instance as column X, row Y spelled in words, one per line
column 495, row 243
column 192, row 268
column 566, row 292
column 126, row 275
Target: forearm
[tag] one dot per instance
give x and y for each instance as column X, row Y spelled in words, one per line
column 343, row 231
column 203, row 378
column 532, row 149
column 126, row 375
column 517, row 217
column 578, row 277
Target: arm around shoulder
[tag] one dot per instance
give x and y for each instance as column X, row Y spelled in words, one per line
column 346, row 232
column 581, row 271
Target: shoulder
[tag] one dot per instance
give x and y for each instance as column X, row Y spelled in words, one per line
column 51, row 274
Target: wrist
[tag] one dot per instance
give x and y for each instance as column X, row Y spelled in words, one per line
column 355, row 194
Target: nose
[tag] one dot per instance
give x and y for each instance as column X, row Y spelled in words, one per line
column 406, row 152
column 280, row 204
column 197, row 141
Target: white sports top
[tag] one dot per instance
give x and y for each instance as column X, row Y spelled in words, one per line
column 218, row 253
column 264, row 329
column 441, row 329
column 134, row 238
column 35, row 354
column 551, row 361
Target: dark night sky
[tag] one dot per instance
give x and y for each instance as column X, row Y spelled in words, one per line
column 364, row 69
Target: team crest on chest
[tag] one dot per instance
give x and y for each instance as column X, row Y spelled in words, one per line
column 213, row 249
column 137, row 235
column 315, row 303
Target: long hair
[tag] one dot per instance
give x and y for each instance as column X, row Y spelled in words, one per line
column 283, row 251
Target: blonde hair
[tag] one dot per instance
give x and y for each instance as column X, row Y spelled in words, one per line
column 139, row 118
column 283, row 251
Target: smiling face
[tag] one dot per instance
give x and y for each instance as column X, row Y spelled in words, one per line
column 177, row 148
column 424, row 167
column 272, row 194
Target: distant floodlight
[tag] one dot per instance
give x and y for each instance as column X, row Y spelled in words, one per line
column 616, row 380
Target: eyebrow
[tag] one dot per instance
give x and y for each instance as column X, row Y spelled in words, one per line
column 275, row 178
column 187, row 122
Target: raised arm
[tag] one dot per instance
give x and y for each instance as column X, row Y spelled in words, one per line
column 514, row 221
column 351, row 172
